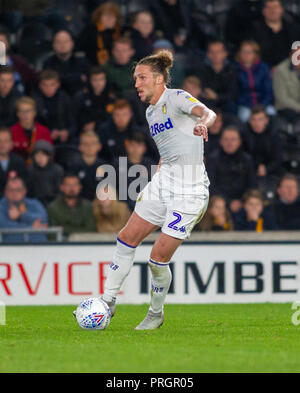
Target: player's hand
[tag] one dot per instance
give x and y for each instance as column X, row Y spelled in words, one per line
column 201, row 130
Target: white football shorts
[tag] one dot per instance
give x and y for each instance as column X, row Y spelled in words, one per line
column 176, row 215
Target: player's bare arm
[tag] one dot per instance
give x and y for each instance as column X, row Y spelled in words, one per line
column 207, row 118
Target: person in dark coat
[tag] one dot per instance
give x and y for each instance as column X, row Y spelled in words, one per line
column 254, row 81
column 54, row 107
column 170, row 16
column 231, row 170
column 218, row 77
column 113, row 132
column 214, row 134
column 86, row 167
column 254, row 216
column 119, row 68
column 72, row 70
column 273, row 33
column 45, row 176
column 242, row 14
column 142, row 33
column 94, row 103
column 263, row 143
column 287, row 206
column 8, row 97
column 11, row 164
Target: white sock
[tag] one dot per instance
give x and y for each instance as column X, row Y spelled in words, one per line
column 118, row 270
column 160, row 284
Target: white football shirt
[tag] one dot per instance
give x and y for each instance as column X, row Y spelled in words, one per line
column 171, row 126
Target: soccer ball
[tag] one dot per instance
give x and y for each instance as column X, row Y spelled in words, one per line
column 93, row 314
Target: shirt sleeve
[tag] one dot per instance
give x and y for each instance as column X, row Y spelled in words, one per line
column 184, row 102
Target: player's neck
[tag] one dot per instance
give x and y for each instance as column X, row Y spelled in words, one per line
column 157, row 95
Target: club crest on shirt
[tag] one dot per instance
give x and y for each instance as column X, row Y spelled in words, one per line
column 164, row 108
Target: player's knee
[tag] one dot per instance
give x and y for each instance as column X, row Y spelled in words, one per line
column 128, row 238
column 159, row 256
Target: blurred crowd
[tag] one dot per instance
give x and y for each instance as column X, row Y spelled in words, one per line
column 68, row 105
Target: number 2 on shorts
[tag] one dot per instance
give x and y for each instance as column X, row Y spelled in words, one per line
column 172, row 224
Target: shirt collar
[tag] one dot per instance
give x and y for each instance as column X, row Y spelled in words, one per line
column 161, row 98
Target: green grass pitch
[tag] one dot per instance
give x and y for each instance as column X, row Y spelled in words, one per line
column 194, row 338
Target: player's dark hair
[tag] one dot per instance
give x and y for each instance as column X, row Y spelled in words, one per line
column 160, row 63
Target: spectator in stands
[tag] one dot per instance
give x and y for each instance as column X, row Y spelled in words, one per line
column 97, row 38
column 113, row 132
column 24, row 75
column 11, row 164
column 193, row 85
column 142, row 33
column 27, row 131
column 253, row 216
column 217, row 217
column 111, row 215
column 135, row 147
column 72, row 70
column 241, row 15
column 94, row 103
column 254, row 81
column 263, row 143
column 273, row 33
column 86, row 167
column 230, row 169
column 119, row 68
column 170, row 16
column 214, row 133
column 286, row 82
column 218, row 77
column 69, row 210
column 54, row 107
column 8, row 97
column 19, row 212
column 45, row 175
column 287, row 207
